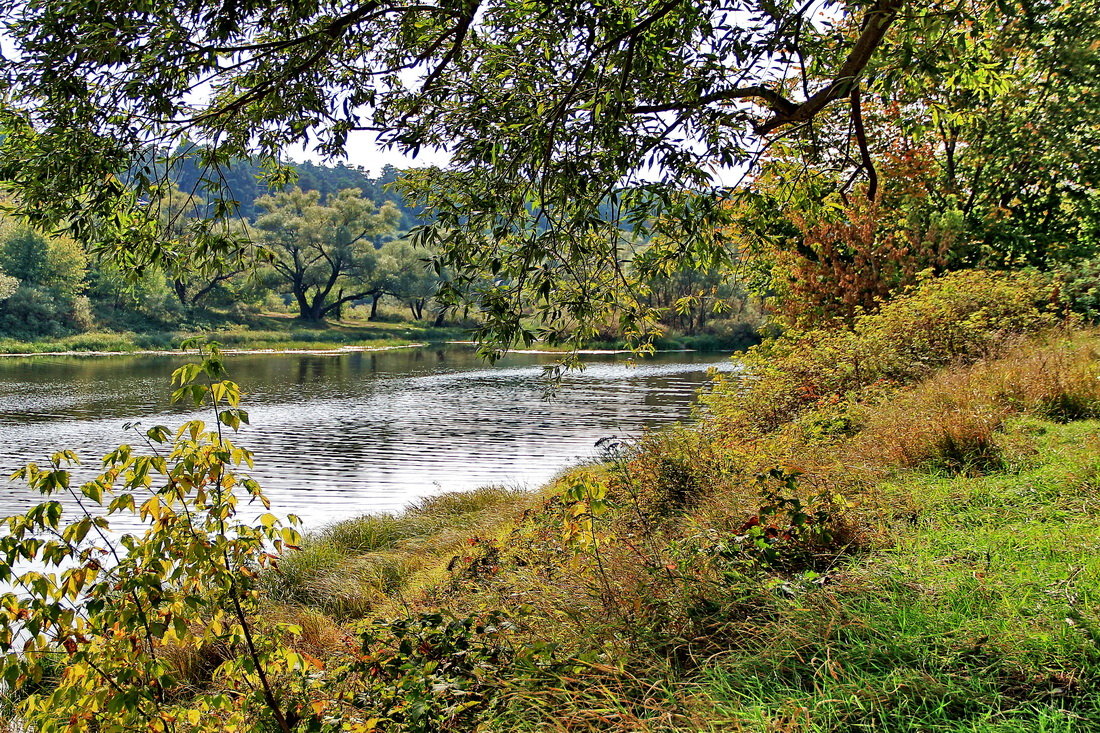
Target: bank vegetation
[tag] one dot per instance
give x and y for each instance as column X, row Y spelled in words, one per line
column 886, row 527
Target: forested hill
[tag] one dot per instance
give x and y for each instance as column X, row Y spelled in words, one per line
column 244, row 184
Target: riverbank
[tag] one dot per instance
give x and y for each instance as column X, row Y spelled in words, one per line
column 893, row 526
column 278, row 334
column 266, row 334
column 906, row 546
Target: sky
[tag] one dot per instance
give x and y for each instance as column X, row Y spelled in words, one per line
column 363, row 151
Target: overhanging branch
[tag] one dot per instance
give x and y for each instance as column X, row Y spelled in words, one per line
column 875, row 24
column 784, row 111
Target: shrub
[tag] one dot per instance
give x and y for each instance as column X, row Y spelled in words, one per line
column 1078, row 287
column 34, row 311
column 430, row 673
column 667, row 473
column 186, row 583
column 960, row 317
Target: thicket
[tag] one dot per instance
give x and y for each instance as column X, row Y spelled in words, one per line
column 957, row 318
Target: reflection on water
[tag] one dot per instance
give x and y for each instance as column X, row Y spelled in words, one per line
column 338, row 436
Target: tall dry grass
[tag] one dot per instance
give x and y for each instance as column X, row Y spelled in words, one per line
column 951, row 420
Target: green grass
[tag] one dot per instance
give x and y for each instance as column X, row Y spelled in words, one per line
column 268, row 332
column 965, row 623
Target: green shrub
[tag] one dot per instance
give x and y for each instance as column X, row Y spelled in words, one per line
column 34, row 311
column 1078, row 287
column 960, row 317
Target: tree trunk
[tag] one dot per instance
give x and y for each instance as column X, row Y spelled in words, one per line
column 180, row 287
column 307, row 311
column 303, row 302
column 374, row 306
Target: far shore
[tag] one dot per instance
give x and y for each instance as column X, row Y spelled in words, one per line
column 179, row 352
column 336, row 351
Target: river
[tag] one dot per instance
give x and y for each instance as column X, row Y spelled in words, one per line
column 337, row 436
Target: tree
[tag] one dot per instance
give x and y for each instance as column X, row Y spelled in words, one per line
column 690, row 293
column 969, row 145
column 33, row 258
column 403, row 272
column 564, row 121
column 42, row 281
column 178, row 213
column 8, row 286
column 326, row 252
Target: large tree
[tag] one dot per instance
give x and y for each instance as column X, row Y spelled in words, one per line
column 324, row 253
column 980, row 150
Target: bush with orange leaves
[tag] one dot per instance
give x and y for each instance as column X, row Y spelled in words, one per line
column 828, row 256
column 850, row 266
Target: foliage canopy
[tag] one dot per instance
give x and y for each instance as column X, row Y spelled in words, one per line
column 565, row 122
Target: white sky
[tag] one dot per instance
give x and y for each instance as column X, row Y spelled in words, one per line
column 363, row 151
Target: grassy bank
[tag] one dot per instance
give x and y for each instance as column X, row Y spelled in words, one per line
column 976, row 610
column 911, row 549
column 284, row 333
column 935, row 600
column 890, row 527
column 270, row 332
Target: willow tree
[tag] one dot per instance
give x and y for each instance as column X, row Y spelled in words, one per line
column 566, row 123
column 324, row 253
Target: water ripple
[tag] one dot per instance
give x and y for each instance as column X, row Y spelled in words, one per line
column 336, row 436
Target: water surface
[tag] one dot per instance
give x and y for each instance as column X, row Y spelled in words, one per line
column 342, row 435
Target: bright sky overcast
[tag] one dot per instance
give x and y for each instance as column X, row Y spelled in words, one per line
column 363, row 151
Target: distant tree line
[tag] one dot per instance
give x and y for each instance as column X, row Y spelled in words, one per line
column 243, row 181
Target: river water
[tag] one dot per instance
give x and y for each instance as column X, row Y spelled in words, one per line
column 337, row 436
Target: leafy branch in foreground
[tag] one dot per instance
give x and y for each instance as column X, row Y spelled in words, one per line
column 112, row 608
column 569, row 126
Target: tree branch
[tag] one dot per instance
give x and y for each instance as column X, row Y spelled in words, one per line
column 786, row 112
column 864, row 152
column 875, row 24
column 775, row 101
